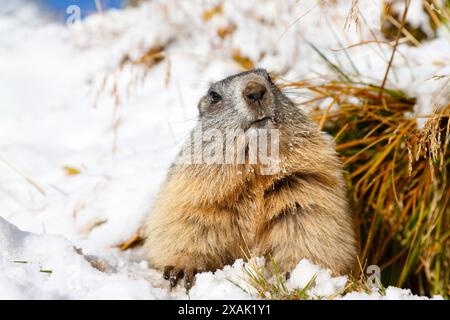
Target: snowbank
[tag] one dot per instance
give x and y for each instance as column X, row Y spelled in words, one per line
column 80, row 168
column 50, row 267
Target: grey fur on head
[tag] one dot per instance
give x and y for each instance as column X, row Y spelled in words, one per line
column 227, row 104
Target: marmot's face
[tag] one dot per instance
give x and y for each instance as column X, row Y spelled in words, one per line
column 243, row 101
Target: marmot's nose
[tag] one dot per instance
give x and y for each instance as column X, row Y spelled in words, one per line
column 254, row 91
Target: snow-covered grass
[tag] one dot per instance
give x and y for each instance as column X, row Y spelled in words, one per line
column 88, row 129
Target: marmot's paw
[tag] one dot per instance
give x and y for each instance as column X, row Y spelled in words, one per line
column 173, row 274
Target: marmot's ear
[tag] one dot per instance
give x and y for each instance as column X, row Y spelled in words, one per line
column 202, row 105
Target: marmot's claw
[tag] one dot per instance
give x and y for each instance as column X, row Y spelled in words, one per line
column 287, row 275
column 175, row 275
column 189, row 279
column 166, row 274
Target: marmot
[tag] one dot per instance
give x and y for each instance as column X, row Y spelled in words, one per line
column 209, row 214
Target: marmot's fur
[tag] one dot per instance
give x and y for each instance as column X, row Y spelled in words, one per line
column 209, row 215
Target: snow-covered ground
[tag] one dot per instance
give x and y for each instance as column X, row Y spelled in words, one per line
column 66, row 106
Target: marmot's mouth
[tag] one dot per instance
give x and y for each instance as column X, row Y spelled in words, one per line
column 260, row 123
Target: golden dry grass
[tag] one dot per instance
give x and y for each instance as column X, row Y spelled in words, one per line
column 397, row 175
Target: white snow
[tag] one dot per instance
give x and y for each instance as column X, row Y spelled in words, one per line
column 391, row 293
column 56, row 111
column 48, row 267
column 324, row 284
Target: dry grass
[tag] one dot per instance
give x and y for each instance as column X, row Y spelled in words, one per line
column 438, row 13
column 397, row 178
column 275, row 287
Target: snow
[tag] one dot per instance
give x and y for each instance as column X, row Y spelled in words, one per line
column 223, row 284
column 48, row 267
column 57, row 111
column 325, row 285
column 391, row 293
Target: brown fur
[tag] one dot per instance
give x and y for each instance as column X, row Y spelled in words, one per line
column 206, row 215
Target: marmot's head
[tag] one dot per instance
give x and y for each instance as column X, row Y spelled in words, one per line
column 245, row 100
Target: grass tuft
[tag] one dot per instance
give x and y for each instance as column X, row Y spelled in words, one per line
column 274, row 287
column 397, row 176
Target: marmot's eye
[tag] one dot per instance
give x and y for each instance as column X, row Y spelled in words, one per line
column 215, row 97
